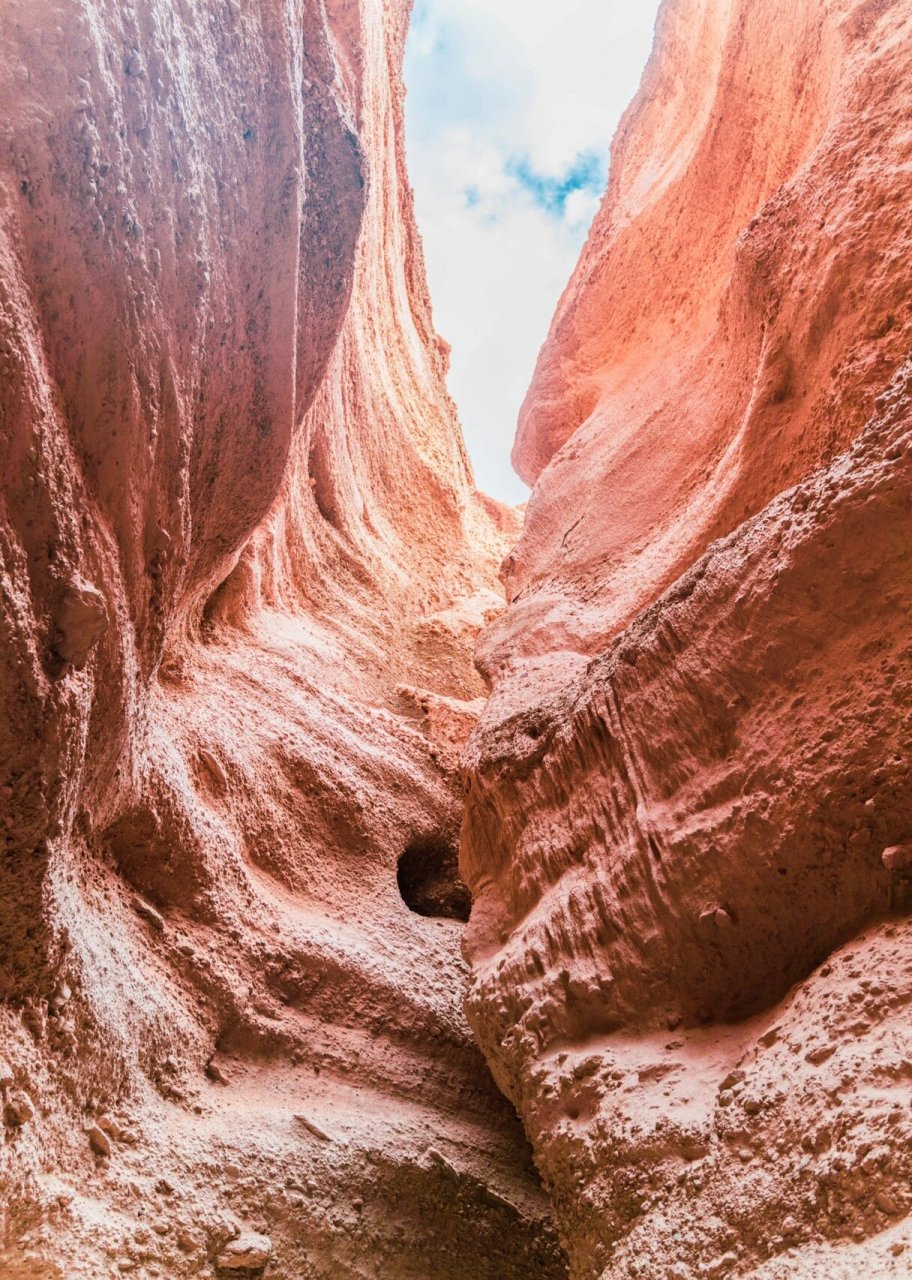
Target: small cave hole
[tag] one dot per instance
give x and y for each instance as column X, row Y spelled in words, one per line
column 428, row 879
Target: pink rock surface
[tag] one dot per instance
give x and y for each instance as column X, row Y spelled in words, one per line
column 243, row 568
column 741, row 301
column 235, row 517
column 661, row 851
column 689, row 790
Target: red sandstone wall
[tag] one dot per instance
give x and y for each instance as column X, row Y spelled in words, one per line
column 739, row 305
column 236, row 521
column 688, row 819
column 243, row 566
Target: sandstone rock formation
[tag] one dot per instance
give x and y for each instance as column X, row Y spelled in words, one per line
column 243, row 566
column 689, row 794
column 741, row 301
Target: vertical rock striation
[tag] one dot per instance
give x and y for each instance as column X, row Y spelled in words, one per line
column 242, row 566
column 688, row 820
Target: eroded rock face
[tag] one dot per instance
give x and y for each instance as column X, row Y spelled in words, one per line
column 236, row 520
column 741, row 302
column 690, row 787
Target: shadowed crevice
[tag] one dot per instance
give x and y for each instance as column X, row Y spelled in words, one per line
column 429, row 882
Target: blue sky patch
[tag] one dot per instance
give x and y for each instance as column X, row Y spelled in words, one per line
column 589, row 172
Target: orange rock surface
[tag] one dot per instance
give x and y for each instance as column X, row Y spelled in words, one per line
column 689, row 793
column 242, row 563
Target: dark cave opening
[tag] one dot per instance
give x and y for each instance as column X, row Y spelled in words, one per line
column 429, row 881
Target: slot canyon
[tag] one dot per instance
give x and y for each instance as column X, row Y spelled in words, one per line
column 397, row 883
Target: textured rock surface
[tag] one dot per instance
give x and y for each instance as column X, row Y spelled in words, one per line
column 242, row 563
column 741, row 301
column 689, row 792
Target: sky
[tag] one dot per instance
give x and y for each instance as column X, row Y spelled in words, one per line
column 510, row 112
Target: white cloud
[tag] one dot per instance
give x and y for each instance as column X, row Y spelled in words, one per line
column 580, row 208
column 504, row 98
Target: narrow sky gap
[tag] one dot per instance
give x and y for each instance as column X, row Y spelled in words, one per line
column 511, row 108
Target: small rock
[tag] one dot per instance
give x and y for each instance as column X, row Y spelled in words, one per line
column 312, row 1128
column 6, row 1075
column 721, row 1266
column 35, row 1019
column 250, row 1252
column 733, row 1078
column 61, row 997
column 215, row 1072
column 887, row 1204
column 82, row 620
column 717, row 918
column 149, row 914
column 109, row 1126
column 213, row 766
column 820, row 1054
column 99, row 1141
column 440, row 1160
column 18, row 1110
column 898, row 857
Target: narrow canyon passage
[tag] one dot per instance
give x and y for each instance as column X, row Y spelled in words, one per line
column 356, row 920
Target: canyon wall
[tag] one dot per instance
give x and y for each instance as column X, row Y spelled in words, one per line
column 243, row 567
column 689, row 819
